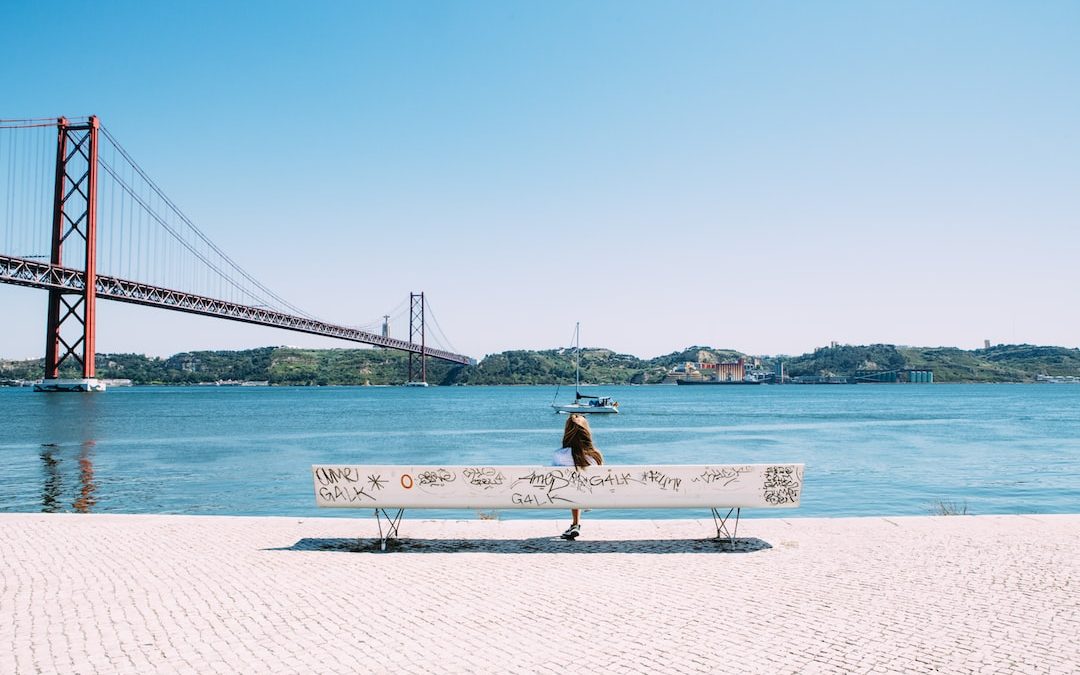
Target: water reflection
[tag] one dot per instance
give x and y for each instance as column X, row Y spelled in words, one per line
column 87, row 486
column 54, row 481
column 69, row 421
column 52, row 493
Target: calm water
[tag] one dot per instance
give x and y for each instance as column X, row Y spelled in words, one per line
column 868, row 449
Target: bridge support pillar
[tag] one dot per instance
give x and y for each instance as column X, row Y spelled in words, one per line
column 70, row 328
column 417, row 362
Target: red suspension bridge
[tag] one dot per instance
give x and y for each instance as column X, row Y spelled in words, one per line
column 81, row 220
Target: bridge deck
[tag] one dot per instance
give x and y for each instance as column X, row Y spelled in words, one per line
column 36, row 274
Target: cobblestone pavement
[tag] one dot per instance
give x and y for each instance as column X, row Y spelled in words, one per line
column 200, row 594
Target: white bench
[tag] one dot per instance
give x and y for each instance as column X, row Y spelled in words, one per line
column 716, row 487
column 713, row 486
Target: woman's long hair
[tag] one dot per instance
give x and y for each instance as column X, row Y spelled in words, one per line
column 578, row 437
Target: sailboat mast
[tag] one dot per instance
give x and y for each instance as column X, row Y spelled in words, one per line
column 577, row 359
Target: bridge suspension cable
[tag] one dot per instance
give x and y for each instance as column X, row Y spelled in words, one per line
column 27, row 158
column 444, row 342
column 198, row 244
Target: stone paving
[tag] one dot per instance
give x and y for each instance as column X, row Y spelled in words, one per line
column 203, row 594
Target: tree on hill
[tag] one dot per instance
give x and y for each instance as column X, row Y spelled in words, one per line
column 846, row 360
column 695, row 354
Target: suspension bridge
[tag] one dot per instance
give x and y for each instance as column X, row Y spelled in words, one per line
column 80, row 219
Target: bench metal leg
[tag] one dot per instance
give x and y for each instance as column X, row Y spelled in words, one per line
column 392, row 524
column 721, row 523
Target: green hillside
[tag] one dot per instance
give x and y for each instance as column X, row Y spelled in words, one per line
column 290, row 366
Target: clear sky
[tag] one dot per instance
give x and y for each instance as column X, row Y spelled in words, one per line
column 766, row 176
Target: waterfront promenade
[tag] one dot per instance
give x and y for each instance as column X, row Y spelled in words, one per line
column 199, row 594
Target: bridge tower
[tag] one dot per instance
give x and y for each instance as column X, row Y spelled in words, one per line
column 70, row 326
column 417, row 362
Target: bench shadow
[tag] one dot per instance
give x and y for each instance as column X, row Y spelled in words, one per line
column 532, row 545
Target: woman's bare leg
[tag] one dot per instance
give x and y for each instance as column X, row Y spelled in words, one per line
column 576, row 514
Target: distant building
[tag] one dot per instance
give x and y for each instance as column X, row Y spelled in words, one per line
column 725, row 371
column 986, row 344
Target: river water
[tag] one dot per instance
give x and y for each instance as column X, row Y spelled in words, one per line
column 868, row 449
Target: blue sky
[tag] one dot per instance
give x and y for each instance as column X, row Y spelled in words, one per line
column 767, row 177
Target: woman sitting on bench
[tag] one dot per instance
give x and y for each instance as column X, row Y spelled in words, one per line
column 577, row 451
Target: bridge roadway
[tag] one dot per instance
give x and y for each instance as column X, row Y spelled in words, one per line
column 36, row 274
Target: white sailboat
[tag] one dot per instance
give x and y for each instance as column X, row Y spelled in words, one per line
column 582, row 402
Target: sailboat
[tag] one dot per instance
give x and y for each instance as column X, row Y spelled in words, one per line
column 582, row 402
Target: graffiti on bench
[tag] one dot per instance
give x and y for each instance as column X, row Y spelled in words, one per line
column 609, row 486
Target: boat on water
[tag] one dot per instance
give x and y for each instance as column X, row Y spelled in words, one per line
column 589, row 405
column 584, row 403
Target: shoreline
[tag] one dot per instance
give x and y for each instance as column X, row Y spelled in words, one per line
column 168, row 593
column 281, row 385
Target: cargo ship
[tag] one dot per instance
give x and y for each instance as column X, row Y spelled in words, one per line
column 746, row 380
